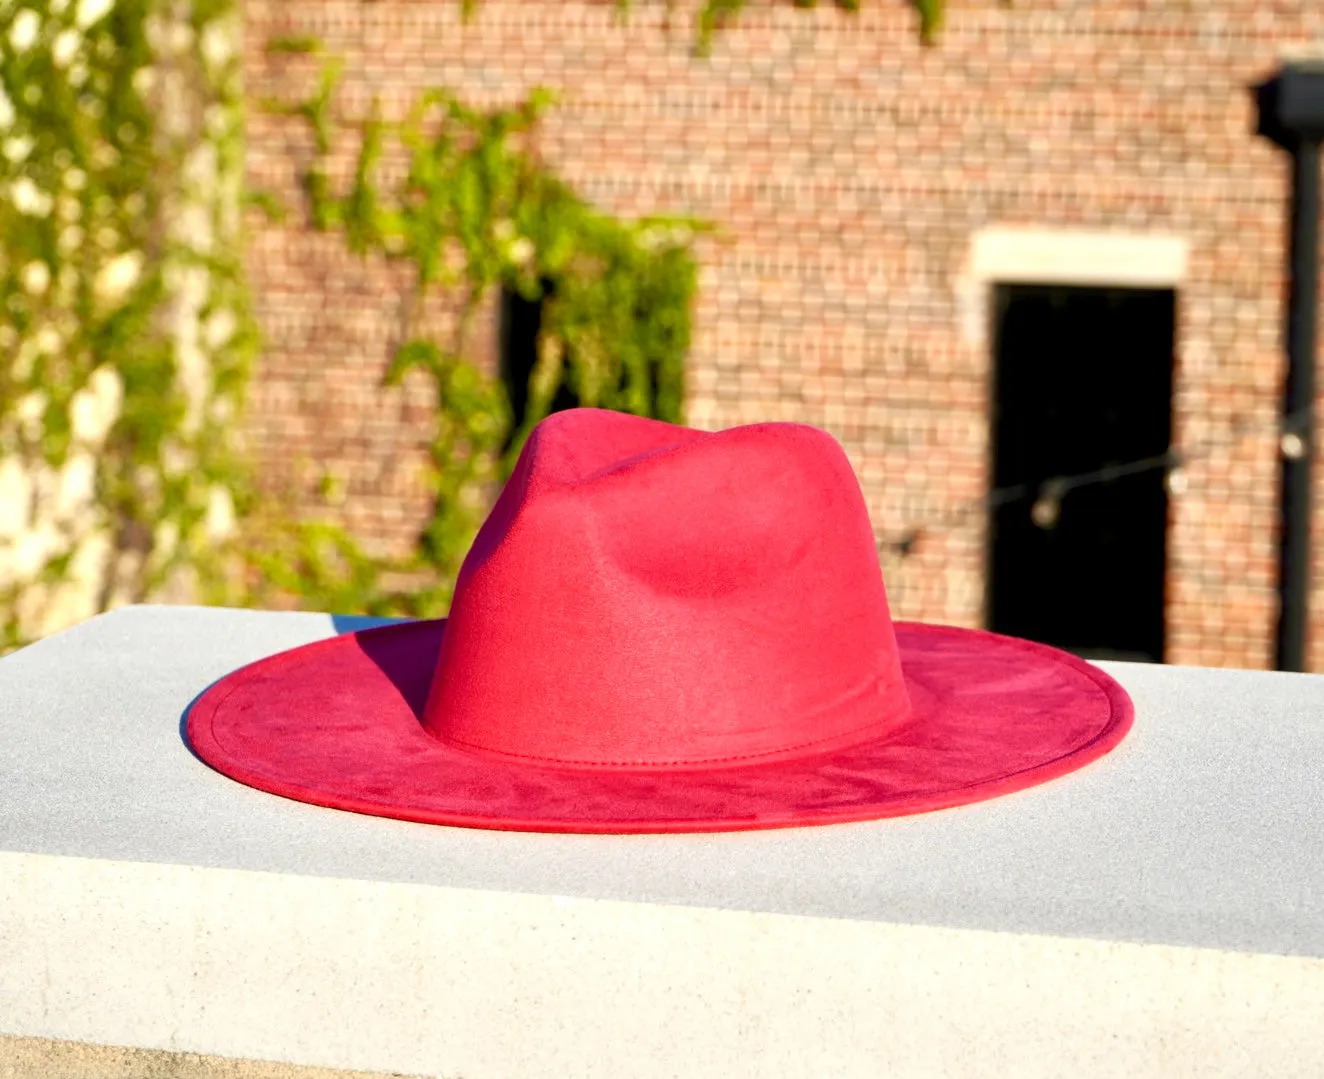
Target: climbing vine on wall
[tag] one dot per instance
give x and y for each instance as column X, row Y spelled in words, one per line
column 474, row 212
column 714, row 15
column 124, row 328
column 126, row 333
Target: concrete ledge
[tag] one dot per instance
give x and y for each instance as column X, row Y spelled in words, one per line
column 448, row 982
column 1160, row 913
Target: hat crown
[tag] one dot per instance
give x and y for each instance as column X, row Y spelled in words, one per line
column 646, row 595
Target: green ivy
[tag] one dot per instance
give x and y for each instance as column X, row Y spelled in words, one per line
column 714, row 15
column 476, row 212
column 121, row 289
column 126, row 331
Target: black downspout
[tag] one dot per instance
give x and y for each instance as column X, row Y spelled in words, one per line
column 1294, row 562
column 1291, row 113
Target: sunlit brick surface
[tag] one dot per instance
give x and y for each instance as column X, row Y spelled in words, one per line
column 849, row 168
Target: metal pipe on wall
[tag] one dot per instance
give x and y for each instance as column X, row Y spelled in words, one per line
column 1291, row 113
column 1298, row 445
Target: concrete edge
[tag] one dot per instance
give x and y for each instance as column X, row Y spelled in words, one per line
column 434, row 981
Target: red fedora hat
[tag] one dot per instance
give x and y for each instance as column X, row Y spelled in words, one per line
column 660, row 629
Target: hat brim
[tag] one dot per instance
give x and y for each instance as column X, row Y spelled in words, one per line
column 336, row 724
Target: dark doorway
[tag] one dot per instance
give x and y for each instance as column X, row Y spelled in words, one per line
column 519, row 326
column 1083, row 381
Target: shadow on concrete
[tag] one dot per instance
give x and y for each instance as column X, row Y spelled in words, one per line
column 183, row 721
column 352, row 623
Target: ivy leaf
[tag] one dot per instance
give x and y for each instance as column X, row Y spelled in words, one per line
column 57, row 432
column 268, row 203
column 713, row 16
column 930, row 19
column 294, row 44
column 360, row 216
column 413, row 355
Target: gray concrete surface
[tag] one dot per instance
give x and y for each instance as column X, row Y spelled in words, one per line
column 1205, row 828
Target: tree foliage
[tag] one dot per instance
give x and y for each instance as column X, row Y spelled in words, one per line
column 476, row 212
column 124, row 325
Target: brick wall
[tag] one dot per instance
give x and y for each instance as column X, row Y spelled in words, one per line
column 851, row 169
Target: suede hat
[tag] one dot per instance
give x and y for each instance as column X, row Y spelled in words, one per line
column 660, row 629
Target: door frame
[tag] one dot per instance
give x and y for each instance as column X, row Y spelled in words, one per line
column 1024, row 255
column 1013, row 254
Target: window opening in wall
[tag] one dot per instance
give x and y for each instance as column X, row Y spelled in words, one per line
column 519, row 326
column 1082, row 380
